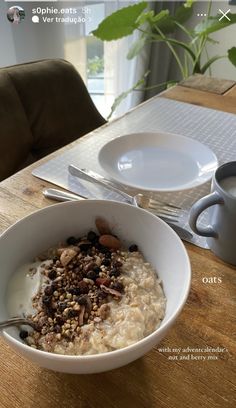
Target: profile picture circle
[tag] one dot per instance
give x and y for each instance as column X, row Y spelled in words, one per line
column 16, row 14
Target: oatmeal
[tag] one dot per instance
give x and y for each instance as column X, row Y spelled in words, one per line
column 95, row 296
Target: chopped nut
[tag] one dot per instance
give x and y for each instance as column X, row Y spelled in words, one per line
column 89, row 266
column 81, row 315
column 110, row 291
column 67, row 255
column 103, row 281
column 104, row 311
column 83, row 287
column 97, row 319
column 88, row 281
column 98, row 260
column 30, row 340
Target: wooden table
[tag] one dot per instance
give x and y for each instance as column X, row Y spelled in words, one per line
column 158, row 379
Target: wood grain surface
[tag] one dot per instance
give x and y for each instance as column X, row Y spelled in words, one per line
column 209, row 84
column 158, row 379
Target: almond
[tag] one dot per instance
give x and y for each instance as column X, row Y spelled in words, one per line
column 102, row 226
column 109, row 241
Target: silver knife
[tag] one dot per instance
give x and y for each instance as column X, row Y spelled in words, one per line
column 60, row 195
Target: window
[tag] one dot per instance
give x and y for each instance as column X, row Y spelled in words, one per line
column 86, row 53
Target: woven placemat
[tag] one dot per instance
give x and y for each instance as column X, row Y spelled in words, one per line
column 215, row 129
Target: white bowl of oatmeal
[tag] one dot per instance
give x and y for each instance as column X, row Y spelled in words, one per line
column 96, row 307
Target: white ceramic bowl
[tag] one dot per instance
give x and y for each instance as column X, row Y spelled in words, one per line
column 44, row 228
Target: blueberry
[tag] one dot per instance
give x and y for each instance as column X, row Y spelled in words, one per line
column 82, row 287
column 76, row 291
column 59, row 320
column 62, row 306
column 92, row 237
column 114, row 272
column 133, row 248
column 106, row 262
column 98, row 246
column 50, row 312
column 117, row 264
column 102, row 248
column 97, row 269
column 57, row 328
column 85, row 247
column 48, row 291
column 46, row 300
column 82, row 300
column 72, row 313
column 52, row 274
column 23, row 334
column 92, row 275
column 101, row 294
column 72, row 291
column 117, row 286
column 71, row 241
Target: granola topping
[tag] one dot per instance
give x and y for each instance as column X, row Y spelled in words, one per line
column 95, row 296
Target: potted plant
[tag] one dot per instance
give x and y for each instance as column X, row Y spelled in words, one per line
column 160, row 28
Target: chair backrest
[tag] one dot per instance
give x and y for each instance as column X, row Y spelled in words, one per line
column 43, row 106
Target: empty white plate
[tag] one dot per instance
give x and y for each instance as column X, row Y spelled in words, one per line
column 158, row 161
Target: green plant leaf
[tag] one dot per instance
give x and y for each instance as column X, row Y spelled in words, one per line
column 124, row 95
column 210, row 62
column 183, row 13
column 210, row 40
column 168, row 23
column 120, row 24
column 166, row 83
column 160, row 16
column 144, row 17
column 189, row 3
column 150, row 17
column 232, row 55
column 136, row 47
column 211, row 24
column 181, row 44
column 184, row 29
column 138, row 87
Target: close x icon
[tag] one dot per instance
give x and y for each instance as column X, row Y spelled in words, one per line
column 224, row 15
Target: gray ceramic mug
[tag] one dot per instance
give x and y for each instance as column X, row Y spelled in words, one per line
column 221, row 231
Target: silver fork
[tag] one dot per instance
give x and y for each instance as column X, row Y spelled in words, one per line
column 157, row 207
column 60, row 195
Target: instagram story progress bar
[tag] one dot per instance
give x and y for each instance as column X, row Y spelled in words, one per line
column 32, row 1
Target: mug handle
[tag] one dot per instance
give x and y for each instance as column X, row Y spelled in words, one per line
column 198, row 208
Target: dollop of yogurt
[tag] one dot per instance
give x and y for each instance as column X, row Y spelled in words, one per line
column 24, row 284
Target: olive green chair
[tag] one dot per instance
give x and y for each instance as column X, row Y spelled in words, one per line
column 44, row 105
